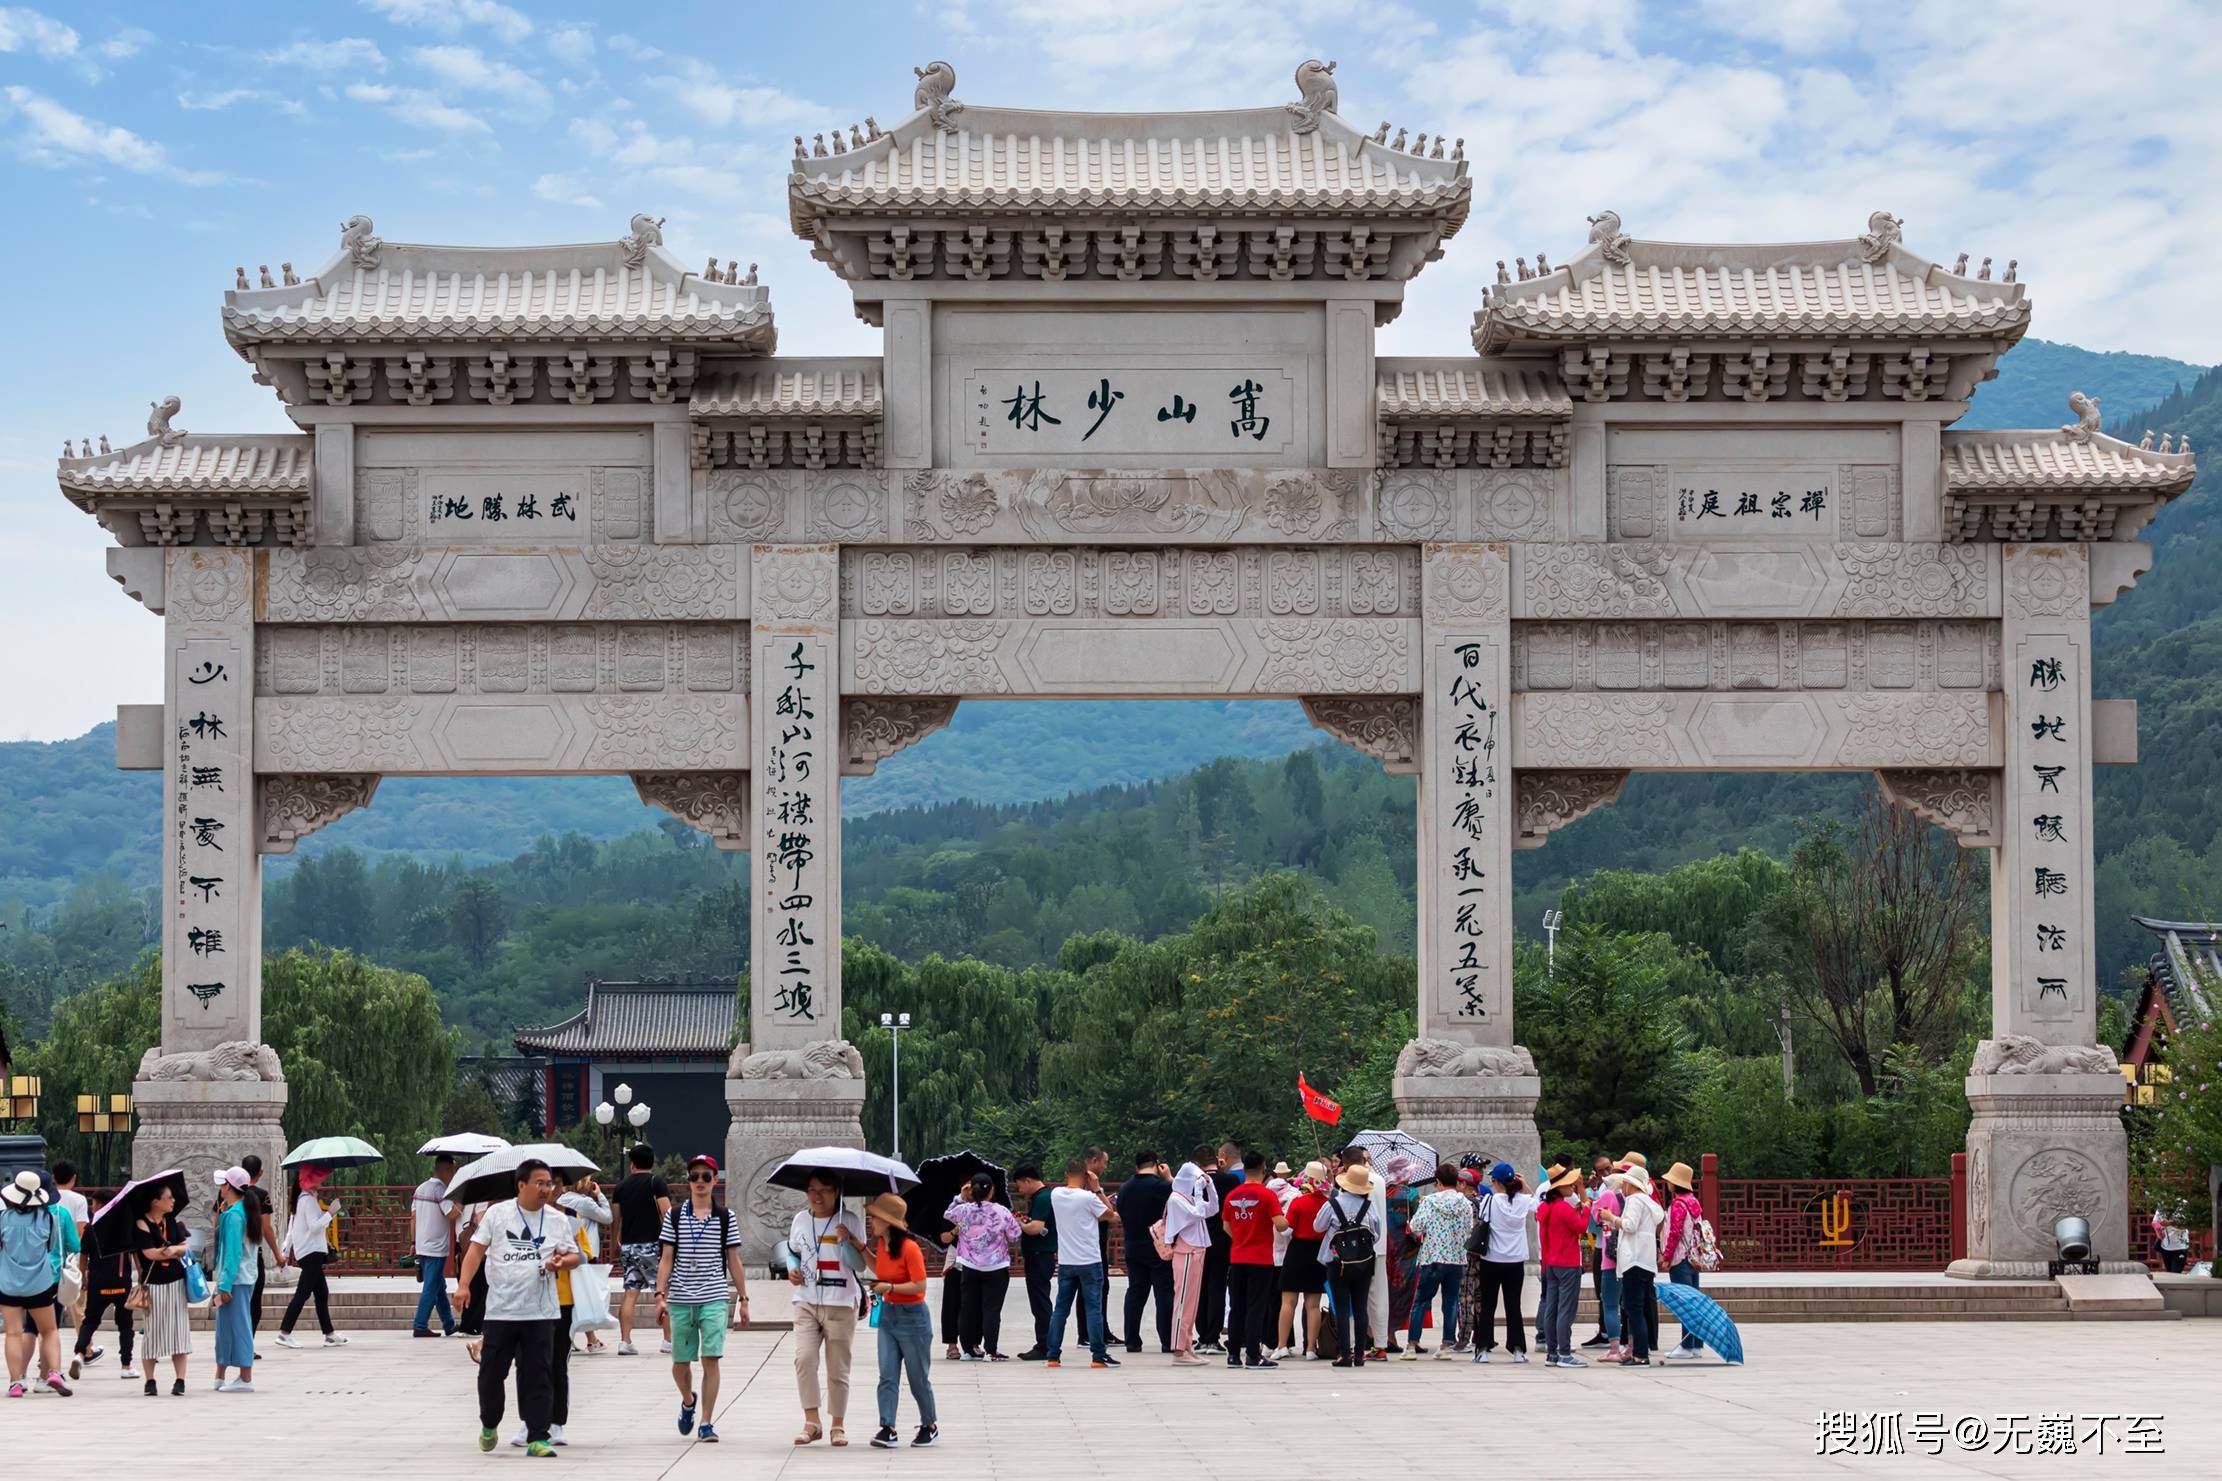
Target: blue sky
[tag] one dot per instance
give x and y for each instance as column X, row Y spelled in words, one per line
column 145, row 150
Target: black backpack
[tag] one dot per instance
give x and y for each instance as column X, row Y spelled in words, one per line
column 1352, row 1244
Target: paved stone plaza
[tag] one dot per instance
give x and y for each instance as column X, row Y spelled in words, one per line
column 387, row 1405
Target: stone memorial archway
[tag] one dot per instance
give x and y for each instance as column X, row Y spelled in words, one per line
column 561, row 510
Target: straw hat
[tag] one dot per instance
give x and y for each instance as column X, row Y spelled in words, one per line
column 1357, row 1179
column 25, row 1192
column 889, row 1209
column 1562, row 1176
column 1635, row 1179
column 1315, row 1171
column 1679, row 1176
column 1280, row 1169
column 1635, row 1159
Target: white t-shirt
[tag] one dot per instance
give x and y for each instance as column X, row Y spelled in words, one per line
column 518, row 1289
column 79, row 1209
column 430, row 1205
column 1638, row 1246
column 1508, row 1216
column 828, row 1276
column 1078, row 1210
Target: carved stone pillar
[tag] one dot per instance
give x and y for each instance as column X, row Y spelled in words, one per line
column 1463, row 1085
column 796, row 1083
column 212, row 1091
column 2046, row 1139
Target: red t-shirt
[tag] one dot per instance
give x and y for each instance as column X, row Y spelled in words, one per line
column 905, row 1268
column 1249, row 1212
column 1303, row 1215
column 1560, row 1224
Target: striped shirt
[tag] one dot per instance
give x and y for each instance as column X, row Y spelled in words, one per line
column 698, row 1271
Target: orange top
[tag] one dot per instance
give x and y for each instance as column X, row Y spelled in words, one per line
column 905, row 1268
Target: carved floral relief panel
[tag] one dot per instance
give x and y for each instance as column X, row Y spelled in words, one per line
column 1755, row 655
column 507, row 658
column 1163, row 582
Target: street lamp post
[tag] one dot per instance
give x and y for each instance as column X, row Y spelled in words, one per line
column 103, row 1126
column 1552, row 920
column 895, row 1023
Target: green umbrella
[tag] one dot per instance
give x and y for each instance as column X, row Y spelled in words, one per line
column 334, row 1151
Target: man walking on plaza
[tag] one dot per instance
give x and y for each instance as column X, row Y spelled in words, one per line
column 429, row 1205
column 274, row 1256
column 697, row 1266
column 1252, row 1213
column 1080, row 1212
column 642, row 1201
column 521, row 1244
column 1442, row 1222
column 1141, row 1203
column 1037, row 1247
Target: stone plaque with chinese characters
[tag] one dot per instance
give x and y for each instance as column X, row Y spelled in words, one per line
column 1203, row 414
column 1751, row 503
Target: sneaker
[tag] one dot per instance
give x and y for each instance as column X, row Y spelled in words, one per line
column 285, row 1339
column 1311, row 1357
column 487, row 1439
column 1209, row 1349
column 1520, row 1357
column 240, row 1386
column 707, row 1435
column 177, row 1388
column 16, row 1390
column 76, row 1367
column 1032, row 1355
column 928, row 1435
column 1053, row 1363
column 1106, row 1361
column 627, row 1350
column 1568, row 1360
column 555, row 1434
column 1187, row 1360
column 1265, row 1363
column 1411, row 1355
column 885, row 1438
column 1550, row 1360
column 150, row 1389
column 1600, row 1340
column 1234, row 1360
column 1446, row 1355
column 686, row 1418
column 1481, row 1354
column 522, row 1438
column 128, row 1376
column 666, row 1345
column 421, row 1332
column 540, row 1450
column 91, row 1355
column 333, row 1339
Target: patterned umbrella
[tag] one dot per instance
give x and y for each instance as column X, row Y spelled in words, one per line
column 1702, row 1317
column 1398, row 1156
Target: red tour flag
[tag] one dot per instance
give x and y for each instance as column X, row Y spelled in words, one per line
column 1318, row 1106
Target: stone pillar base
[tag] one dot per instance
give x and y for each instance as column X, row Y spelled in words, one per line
column 203, row 1126
column 772, row 1120
column 1490, row 1114
column 2041, row 1147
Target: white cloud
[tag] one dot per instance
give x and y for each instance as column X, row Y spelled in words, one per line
column 28, row 30
column 128, row 42
column 565, row 190
column 638, row 50
column 418, row 108
column 53, row 135
column 448, row 17
column 573, row 45
column 1793, row 25
column 372, row 92
column 468, row 68
column 705, row 92
column 348, row 54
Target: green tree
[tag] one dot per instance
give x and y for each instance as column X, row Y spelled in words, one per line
column 1612, row 1052
column 477, row 916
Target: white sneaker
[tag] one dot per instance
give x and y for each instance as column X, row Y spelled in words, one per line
column 237, row 1386
column 555, row 1435
column 521, row 1437
column 666, row 1345
column 627, row 1350
column 285, row 1340
column 335, row 1340
column 1519, row 1357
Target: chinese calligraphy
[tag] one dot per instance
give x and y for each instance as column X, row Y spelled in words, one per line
column 1693, row 505
column 1472, row 799
column 791, row 837
column 498, row 507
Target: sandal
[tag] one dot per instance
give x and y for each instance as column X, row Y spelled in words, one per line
column 810, row 1434
column 838, row 1437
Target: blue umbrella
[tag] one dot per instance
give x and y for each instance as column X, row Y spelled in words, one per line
column 1702, row 1317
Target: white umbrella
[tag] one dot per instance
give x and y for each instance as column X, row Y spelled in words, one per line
column 462, row 1144
column 494, row 1177
column 861, row 1173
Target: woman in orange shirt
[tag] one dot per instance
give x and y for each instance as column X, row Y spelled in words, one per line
column 906, row 1330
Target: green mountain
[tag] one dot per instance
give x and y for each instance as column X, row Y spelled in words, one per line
column 2034, row 379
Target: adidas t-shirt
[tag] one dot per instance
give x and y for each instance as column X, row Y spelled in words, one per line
column 698, row 1256
column 519, row 1287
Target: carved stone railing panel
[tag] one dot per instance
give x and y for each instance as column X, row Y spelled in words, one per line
column 503, row 658
column 1549, row 800
column 295, row 806
column 713, row 802
column 1164, row 581
column 1753, row 732
column 1386, row 727
column 499, row 733
column 1076, row 656
column 1727, row 578
column 1855, row 655
column 873, row 729
column 482, row 583
column 1965, row 803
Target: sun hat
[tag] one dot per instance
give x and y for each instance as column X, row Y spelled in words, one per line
column 1562, row 1176
column 1636, row 1179
column 1315, row 1171
column 889, row 1209
column 1356, row 1178
column 234, row 1178
column 1635, row 1159
column 25, row 1192
column 1280, row 1169
column 1679, row 1176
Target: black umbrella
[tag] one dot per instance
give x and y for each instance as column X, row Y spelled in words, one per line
column 939, row 1181
column 860, row 1173
column 110, row 1232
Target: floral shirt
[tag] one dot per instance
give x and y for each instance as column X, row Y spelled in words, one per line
column 1442, row 1221
column 984, row 1234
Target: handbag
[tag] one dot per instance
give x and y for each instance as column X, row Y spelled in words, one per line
column 1477, row 1243
column 590, row 1299
column 1157, row 1237
column 196, row 1283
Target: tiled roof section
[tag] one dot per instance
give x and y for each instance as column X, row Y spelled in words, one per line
column 1025, row 160
column 1683, row 290
column 444, row 294
column 195, row 463
column 826, row 388
column 621, row 1018
column 2048, row 460
column 1454, row 388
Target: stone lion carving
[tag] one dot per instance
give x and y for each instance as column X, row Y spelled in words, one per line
column 234, row 1060
column 1316, row 94
column 1883, row 230
column 2086, row 423
column 1440, row 1058
column 828, row 1059
column 158, row 421
column 359, row 242
column 2018, row 1054
column 645, row 231
column 936, row 81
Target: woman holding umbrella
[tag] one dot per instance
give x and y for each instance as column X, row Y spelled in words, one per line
column 309, row 1241
column 159, row 1244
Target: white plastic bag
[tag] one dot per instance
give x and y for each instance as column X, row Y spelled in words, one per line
column 590, row 1300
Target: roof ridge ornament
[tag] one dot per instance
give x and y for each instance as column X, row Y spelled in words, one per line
column 1607, row 237
column 645, row 231
column 158, row 421
column 359, row 242
column 1882, row 234
column 2086, row 423
column 1316, row 94
column 936, row 81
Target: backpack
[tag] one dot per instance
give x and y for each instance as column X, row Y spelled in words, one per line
column 1351, row 1244
column 725, row 1228
column 26, row 1238
column 1703, row 1246
column 1477, row 1243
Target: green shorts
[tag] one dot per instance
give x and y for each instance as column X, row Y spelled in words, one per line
column 698, row 1330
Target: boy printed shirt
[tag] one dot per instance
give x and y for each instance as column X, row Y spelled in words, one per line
column 823, row 1255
